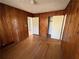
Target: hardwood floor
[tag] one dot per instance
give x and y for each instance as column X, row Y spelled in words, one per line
column 34, row 48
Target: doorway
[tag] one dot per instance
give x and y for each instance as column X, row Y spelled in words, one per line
column 56, row 26
column 33, row 26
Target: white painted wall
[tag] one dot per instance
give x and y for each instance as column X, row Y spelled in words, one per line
column 55, row 26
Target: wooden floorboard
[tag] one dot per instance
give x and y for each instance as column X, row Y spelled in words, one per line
column 34, row 48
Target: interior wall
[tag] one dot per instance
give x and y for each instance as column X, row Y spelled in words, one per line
column 70, row 42
column 43, row 21
column 13, row 24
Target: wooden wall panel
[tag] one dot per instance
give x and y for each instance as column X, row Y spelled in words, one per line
column 13, row 24
column 43, row 26
column 70, row 42
column 2, row 34
column 44, row 21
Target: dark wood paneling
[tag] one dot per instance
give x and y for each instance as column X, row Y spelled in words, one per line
column 52, row 13
column 43, row 26
column 70, row 42
column 44, row 21
column 13, row 24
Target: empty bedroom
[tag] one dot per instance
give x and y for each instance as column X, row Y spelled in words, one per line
column 39, row 29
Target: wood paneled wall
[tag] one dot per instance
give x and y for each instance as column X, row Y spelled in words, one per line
column 43, row 26
column 70, row 42
column 13, row 24
column 44, row 21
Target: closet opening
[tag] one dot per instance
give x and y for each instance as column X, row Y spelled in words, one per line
column 56, row 26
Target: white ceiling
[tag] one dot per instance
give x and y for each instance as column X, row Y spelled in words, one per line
column 40, row 7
